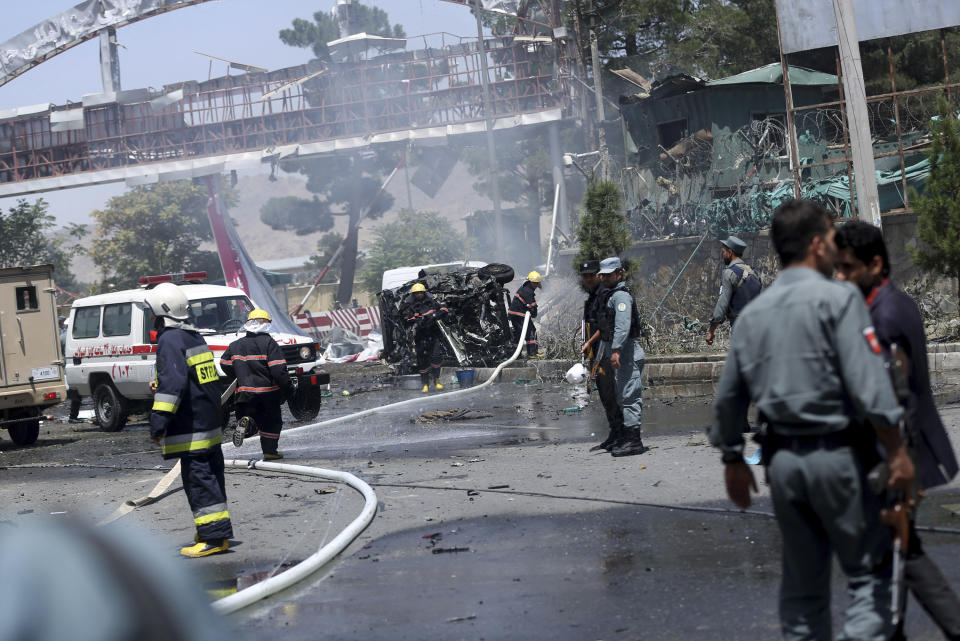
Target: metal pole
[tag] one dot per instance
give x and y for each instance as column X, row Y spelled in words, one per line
column 406, row 175
column 598, row 97
column 556, row 160
column 791, row 122
column 553, row 229
column 488, row 112
column 861, row 145
column 109, row 60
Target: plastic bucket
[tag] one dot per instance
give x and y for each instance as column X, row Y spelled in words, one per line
column 465, row 377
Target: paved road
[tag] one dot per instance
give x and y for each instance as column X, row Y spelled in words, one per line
column 567, row 546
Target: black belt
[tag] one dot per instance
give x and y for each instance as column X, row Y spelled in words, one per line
column 846, row 437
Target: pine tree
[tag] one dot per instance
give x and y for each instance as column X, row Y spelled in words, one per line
column 602, row 231
column 938, row 208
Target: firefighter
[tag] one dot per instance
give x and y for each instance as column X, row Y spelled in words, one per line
column 263, row 384
column 186, row 417
column 424, row 314
column 525, row 301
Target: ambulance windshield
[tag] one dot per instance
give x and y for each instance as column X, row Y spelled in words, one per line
column 222, row 315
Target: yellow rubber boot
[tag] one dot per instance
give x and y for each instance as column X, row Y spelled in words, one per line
column 272, row 456
column 205, row 548
column 426, row 388
column 437, row 386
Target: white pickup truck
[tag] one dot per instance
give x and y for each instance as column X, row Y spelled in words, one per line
column 111, row 347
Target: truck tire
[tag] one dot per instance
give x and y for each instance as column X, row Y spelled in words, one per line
column 305, row 405
column 503, row 274
column 25, row 433
column 110, row 407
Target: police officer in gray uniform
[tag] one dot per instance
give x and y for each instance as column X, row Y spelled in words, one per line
column 619, row 338
column 739, row 285
column 804, row 353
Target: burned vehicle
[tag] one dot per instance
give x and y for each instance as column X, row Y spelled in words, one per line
column 476, row 329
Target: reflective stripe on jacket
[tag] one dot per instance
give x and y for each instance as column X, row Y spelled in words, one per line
column 186, row 407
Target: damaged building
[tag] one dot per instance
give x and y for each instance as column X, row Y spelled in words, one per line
column 714, row 156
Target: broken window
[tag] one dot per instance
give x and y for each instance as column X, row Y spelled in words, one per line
column 670, row 133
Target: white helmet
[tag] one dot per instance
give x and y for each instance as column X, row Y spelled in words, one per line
column 168, row 301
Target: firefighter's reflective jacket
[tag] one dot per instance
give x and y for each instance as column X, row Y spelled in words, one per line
column 258, row 364
column 524, row 301
column 186, row 406
column 425, row 312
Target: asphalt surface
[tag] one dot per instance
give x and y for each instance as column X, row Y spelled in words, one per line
column 497, row 524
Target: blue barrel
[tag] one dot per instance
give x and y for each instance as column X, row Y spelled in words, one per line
column 465, row 377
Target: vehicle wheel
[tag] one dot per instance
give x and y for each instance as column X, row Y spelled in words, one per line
column 25, row 433
column 110, row 407
column 305, row 405
column 503, row 274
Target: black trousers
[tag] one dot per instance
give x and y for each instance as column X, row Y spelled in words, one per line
column 429, row 354
column 607, row 389
column 516, row 322
column 266, row 410
column 203, row 483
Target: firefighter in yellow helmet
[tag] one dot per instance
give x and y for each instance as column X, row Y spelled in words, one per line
column 522, row 302
column 263, row 384
column 424, row 314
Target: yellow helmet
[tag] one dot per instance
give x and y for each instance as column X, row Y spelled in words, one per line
column 418, row 287
column 259, row 313
column 534, row 277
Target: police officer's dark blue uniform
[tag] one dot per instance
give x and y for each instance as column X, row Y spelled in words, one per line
column 599, row 359
column 186, row 416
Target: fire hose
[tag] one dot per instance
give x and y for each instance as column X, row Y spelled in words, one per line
column 325, row 553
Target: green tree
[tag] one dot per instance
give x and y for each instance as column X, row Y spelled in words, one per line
column 938, row 208
column 155, row 229
column 326, row 247
column 26, row 239
column 416, row 238
column 602, row 231
column 343, row 185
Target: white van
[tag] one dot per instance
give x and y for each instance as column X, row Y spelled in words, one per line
column 396, row 277
column 111, row 347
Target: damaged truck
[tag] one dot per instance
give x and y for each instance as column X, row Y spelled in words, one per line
column 476, row 330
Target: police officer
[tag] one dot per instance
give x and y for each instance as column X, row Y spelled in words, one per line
column 619, row 324
column 523, row 301
column 599, row 362
column 263, row 384
column 424, row 314
column 739, row 285
column 186, row 417
column 802, row 353
column 863, row 261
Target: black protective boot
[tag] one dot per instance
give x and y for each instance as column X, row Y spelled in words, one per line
column 610, row 441
column 628, row 445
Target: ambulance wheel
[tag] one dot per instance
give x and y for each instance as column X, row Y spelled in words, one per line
column 305, row 407
column 25, row 433
column 110, row 407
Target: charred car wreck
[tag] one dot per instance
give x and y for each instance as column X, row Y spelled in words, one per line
column 476, row 330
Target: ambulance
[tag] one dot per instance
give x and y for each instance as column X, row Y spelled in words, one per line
column 110, row 348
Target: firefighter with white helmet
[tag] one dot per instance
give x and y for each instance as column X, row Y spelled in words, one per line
column 424, row 314
column 186, row 417
column 525, row 301
column 263, row 384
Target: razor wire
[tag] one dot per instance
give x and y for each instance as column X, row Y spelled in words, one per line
column 731, row 181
